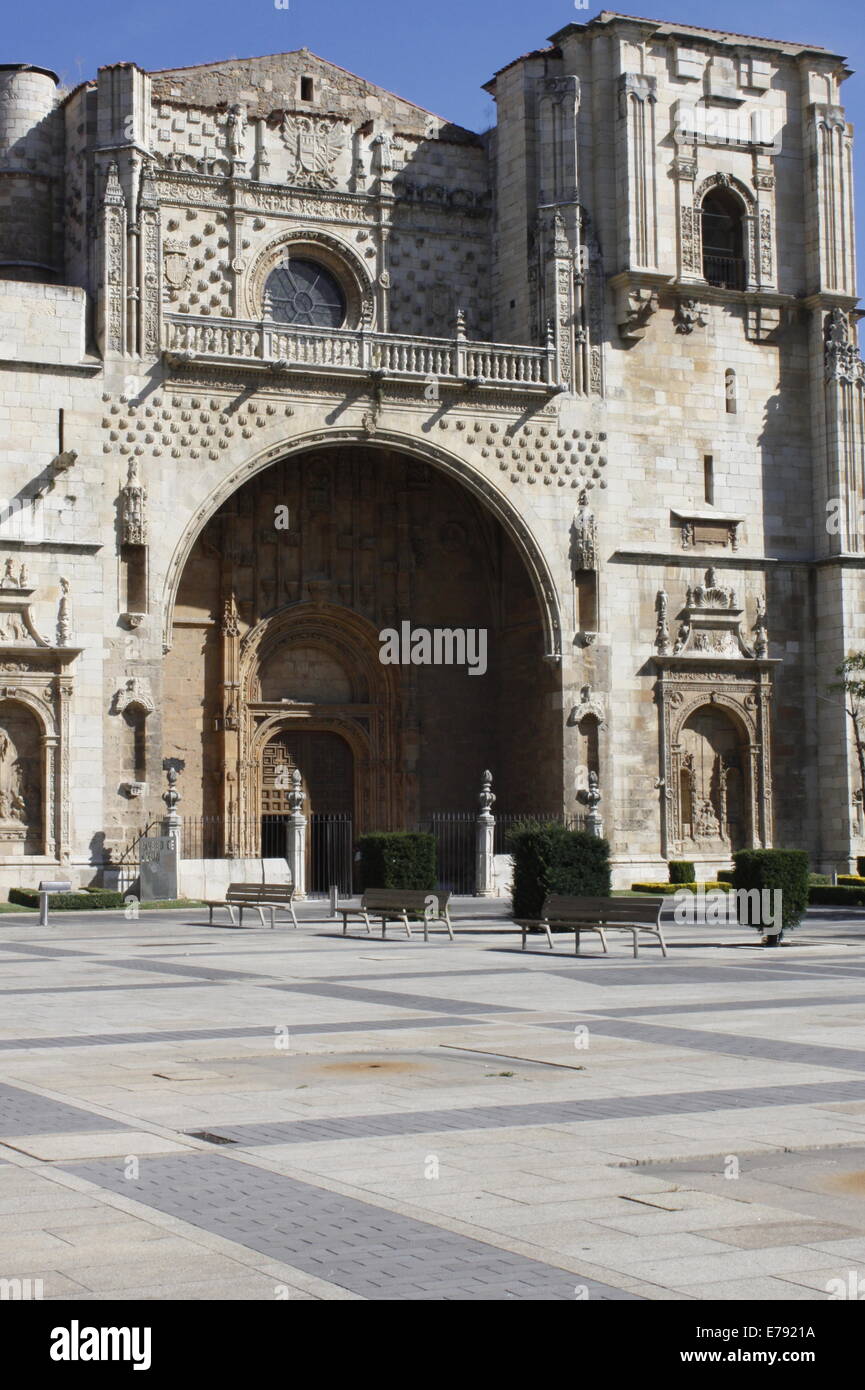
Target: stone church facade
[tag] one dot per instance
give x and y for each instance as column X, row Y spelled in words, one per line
column 286, row 361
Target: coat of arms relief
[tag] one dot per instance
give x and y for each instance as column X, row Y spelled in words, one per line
column 314, row 144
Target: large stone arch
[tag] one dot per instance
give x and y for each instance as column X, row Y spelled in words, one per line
column 505, row 512
column 378, row 536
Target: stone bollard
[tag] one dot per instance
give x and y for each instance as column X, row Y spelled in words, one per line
column 485, row 841
column 296, row 846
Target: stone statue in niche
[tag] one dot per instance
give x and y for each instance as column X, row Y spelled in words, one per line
column 13, row 789
column 235, row 131
column 134, row 497
column 584, row 536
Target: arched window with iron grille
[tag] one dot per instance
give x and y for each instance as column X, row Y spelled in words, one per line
column 723, row 239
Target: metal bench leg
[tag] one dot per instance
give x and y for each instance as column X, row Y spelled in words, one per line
column 662, row 941
column 602, row 935
column 293, row 913
column 368, row 923
column 448, row 924
column 635, row 934
column 239, row 914
column 549, row 936
column 426, row 928
column 407, row 925
column 576, row 941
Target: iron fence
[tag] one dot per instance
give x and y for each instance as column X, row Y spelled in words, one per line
column 331, row 854
column 508, row 819
column 332, row 844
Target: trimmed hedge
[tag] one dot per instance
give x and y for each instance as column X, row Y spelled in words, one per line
column 848, row 880
column 860, row 865
column 670, row 889
column 398, row 859
column 85, row 900
column 726, row 875
column 681, row 871
column 821, row 896
column 784, row 869
column 550, row 859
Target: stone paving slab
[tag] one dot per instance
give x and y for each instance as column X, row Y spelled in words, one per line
column 534, row 1147
column 367, row 1249
column 23, row 1112
column 539, row 1113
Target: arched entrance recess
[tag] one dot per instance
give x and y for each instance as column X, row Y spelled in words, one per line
column 387, row 441
column 277, row 634
column 714, row 776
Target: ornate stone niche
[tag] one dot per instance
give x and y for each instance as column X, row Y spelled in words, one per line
column 713, row 693
column 705, row 526
column 35, row 696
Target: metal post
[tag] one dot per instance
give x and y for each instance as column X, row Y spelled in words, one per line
column 46, row 888
column 334, row 899
column 486, row 829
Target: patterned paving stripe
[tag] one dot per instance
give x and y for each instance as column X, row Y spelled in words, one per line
column 805, row 1054
column 94, row 988
column 536, row 1113
column 804, row 1001
column 669, row 975
column 24, row 948
column 367, row 1249
column 393, row 999
column 207, row 1034
column 22, row 1112
column 193, row 972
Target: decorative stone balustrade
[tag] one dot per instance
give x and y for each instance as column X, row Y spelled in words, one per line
column 358, row 351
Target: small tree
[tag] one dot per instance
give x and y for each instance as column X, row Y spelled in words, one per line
column 852, row 683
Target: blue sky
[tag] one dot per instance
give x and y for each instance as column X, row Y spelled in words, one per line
column 437, row 53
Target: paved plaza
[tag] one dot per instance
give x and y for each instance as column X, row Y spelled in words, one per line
column 195, row 1112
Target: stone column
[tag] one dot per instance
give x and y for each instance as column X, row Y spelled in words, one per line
column 296, row 847
column 486, row 826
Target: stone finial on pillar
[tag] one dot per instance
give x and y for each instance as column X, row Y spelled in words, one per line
column 591, row 797
column 296, row 839
column 486, row 829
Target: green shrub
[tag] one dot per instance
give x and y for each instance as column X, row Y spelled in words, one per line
column 822, row 896
column 681, row 871
column 847, row 880
column 84, row 900
column 784, row 869
column 550, row 859
column 726, row 875
column 670, row 889
column 823, row 880
column 860, row 865
column 398, row 859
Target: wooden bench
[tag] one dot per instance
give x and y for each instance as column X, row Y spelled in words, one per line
column 398, row 905
column 600, row 915
column 257, row 896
